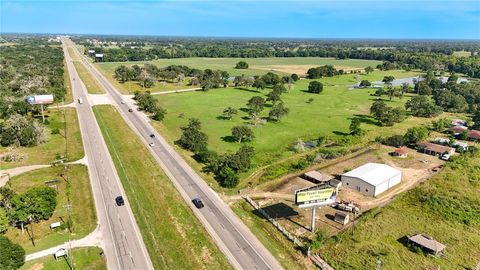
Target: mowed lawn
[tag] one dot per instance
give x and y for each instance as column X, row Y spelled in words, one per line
column 257, row 66
column 446, row 208
column 174, row 237
column 45, row 153
column 90, row 258
column 329, row 112
column 81, row 200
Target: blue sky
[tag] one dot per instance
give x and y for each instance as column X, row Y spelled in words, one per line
column 444, row 19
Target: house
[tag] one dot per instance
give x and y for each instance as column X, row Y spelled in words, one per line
column 459, row 122
column 372, row 179
column 316, row 177
column 400, row 152
column 98, row 57
column 427, row 243
column 435, row 149
column 342, row 218
column 473, row 135
column 457, row 130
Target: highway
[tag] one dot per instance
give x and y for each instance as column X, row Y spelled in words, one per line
column 123, row 243
column 242, row 248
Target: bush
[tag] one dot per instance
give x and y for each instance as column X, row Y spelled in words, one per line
column 55, row 131
column 315, row 87
column 241, row 65
column 12, row 256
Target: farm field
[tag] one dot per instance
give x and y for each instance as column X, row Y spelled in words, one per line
column 257, row 66
column 83, row 211
column 173, row 234
column 83, row 258
column 446, row 207
column 329, row 112
column 46, row 153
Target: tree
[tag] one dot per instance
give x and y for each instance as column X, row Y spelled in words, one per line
column 364, row 83
column 241, row 65
column 279, row 88
column 255, row 104
column 378, row 108
column 193, row 138
column 422, row 106
column 355, row 128
column 273, row 96
column 422, row 88
column 3, row 220
column 404, row 89
column 227, row 177
column 242, row 133
column 416, row 134
column 441, row 124
column 369, row 69
column 315, row 87
column 388, row 80
column 122, row 74
column 229, row 112
column 295, row 77
column 277, row 112
column 146, row 80
column 159, row 114
column 242, row 160
column 12, row 256
column 35, row 204
column 476, row 119
column 258, row 83
column 387, row 116
column 270, row 78
column 21, row 130
column 392, row 91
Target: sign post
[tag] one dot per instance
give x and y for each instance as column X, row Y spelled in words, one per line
column 40, row 100
column 316, row 196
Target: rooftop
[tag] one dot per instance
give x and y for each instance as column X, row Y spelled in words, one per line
column 437, row 148
column 474, row 134
column 373, row 173
column 427, row 242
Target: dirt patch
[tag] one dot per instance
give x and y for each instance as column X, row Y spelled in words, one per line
column 37, row 266
column 298, row 69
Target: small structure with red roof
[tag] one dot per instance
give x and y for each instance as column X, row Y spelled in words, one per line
column 400, row 152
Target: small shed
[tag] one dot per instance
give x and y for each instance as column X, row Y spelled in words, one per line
column 435, row 149
column 427, row 243
column 474, row 135
column 342, row 218
column 457, row 130
column 459, row 122
column 401, row 152
column 460, row 145
column 443, row 141
column 316, row 177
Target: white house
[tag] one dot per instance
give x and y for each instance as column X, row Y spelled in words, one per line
column 372, row 179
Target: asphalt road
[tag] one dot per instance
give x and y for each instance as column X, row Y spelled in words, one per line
column 123, row 243
column 241, row 247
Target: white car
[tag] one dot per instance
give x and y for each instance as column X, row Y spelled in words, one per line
column 123, row 102
column 445, row 156
column 151, row 144
column 80, row 100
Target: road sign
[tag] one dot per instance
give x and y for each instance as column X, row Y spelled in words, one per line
column 319, row 195
column 40, row 99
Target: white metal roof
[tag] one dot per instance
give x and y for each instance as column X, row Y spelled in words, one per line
column 373, row 173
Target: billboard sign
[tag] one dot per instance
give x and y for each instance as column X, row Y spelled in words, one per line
column 40, row 99
column 318, row 195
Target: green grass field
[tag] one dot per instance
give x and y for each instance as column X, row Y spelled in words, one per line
column 83, row 258
column 93, row 87
column 175, row 239
column 329, row 112
column 257, row 66
column 45, row 153
column 83, row 210
column 446, row 207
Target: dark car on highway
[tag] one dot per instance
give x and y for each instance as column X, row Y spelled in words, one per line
column 130, row 110
column 198, row 203
column 119, row 201
column 152, row 135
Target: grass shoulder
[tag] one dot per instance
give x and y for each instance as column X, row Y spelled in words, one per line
column 81, row 200
column 83, row 258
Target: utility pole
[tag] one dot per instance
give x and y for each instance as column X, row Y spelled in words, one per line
column 313, row 218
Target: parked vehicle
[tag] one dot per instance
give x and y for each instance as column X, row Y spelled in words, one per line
column 123, row 101
column 151, row 144
column 445, row 156
column 80, row 100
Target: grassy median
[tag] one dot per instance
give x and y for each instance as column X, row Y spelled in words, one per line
column 93, row 87
column 83, row 258
column 174, row 237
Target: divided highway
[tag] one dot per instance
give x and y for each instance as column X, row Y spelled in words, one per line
column 241, row 247
column 123, row 243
